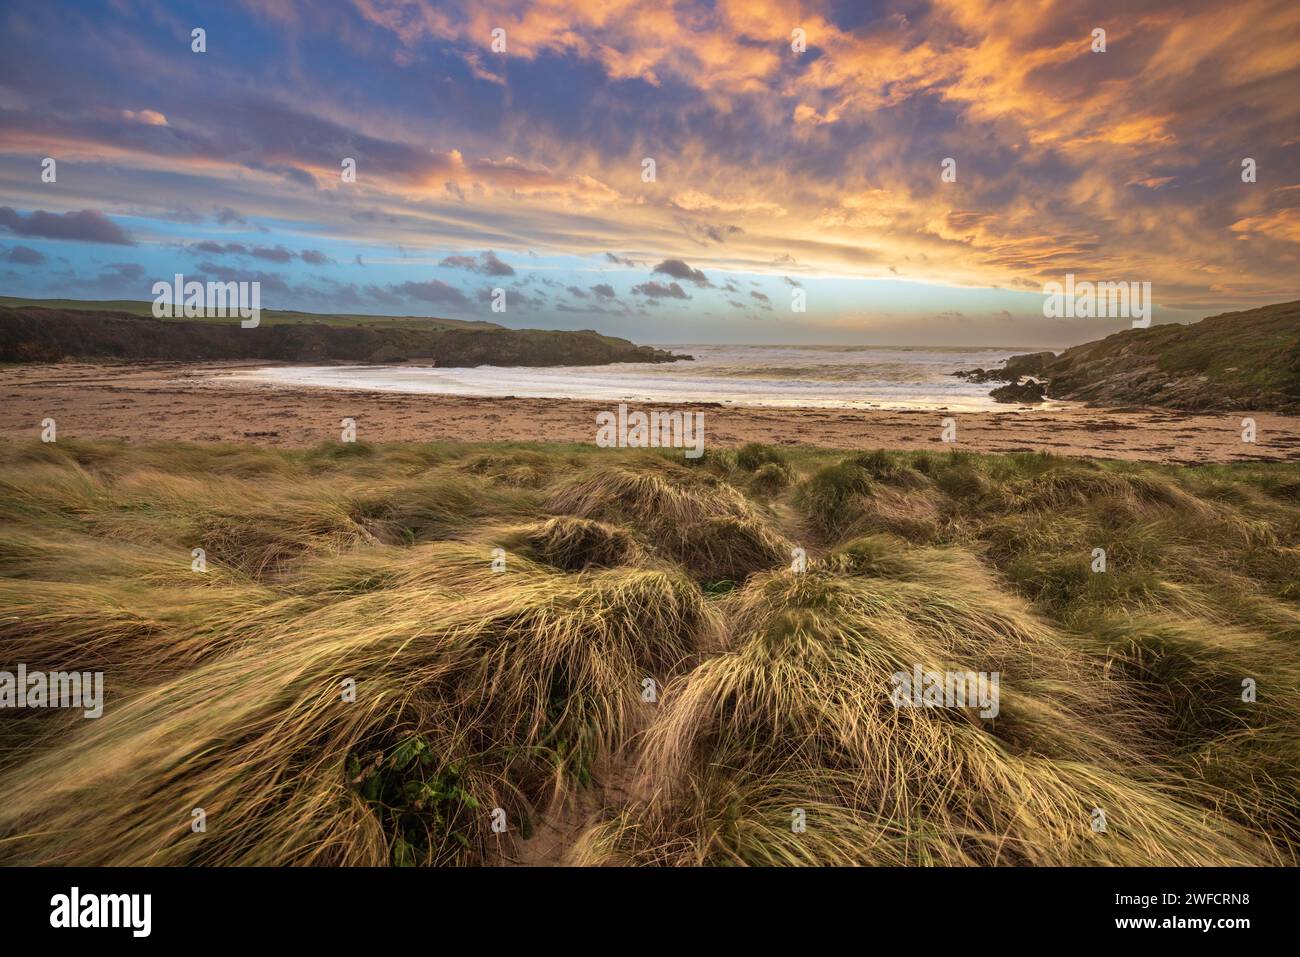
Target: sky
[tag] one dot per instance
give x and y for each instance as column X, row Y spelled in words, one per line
column 798, row 154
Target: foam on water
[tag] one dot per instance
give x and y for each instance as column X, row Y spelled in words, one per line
column 780, row 376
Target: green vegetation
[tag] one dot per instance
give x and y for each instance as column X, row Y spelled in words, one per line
column 1247, row 361
column 46, row 334
column 478, row 689
column 269, row 317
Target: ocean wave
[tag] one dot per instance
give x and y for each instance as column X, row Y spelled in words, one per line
column 847, row 372
column 778, row 376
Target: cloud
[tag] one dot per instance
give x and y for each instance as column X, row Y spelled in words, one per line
column 516, row 297
column 129, row 271
column 295, row 174
column 492, row 266
column 696, row 201
column 381, row 296
column 603, row 290
column 273, row 283
column 24, row 256
column 487, row 263
column 657, row 290
column 679, row 270
column 275, row 254
column 705, row 233
column 1283, row 224
column 213, row 248
column 86, row 225
column 433, row 291
column 147, row 117
column 115, row 280
column 1065, row 158
column 1151, row 182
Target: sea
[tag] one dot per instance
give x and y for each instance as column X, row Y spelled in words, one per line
column 831, row 377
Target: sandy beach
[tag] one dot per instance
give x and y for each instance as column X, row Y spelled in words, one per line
column 201, row 403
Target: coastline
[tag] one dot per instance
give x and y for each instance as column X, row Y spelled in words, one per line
column 195, row 402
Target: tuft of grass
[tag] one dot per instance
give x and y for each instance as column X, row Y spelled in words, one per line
column 770, row 478
column 754, row 455
column 690, row 516
column 572, row 544
column 828, row 496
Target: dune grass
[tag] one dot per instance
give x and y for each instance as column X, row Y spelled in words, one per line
column 392, row 648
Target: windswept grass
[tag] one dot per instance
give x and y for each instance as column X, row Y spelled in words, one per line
column 390, row 643
column 785, row 717
column 688, row 515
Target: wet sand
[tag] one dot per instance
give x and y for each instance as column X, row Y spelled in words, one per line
column 200, row 403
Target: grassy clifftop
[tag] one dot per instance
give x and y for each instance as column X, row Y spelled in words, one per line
column 39, row 334
column 482, row 686
column 270, row 317
column 1238, row 361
